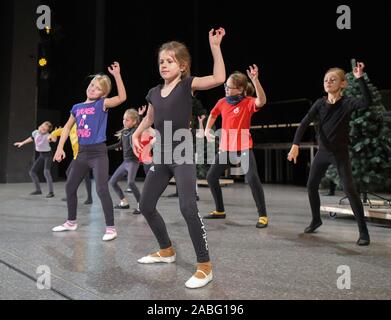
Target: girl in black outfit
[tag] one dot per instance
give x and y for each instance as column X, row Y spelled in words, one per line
column 130, row 164
column 170, row 108
column 334, row 113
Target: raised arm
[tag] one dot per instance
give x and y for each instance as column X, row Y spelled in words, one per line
column 253, row 74
column 200, row 131
column 144, row 124
column 22, row 143
column 115, row 70
column 218, row 76
column 60, row 154
column 366, row 99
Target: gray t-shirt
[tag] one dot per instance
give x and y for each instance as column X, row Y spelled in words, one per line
column 176, row 109
column 41, row 141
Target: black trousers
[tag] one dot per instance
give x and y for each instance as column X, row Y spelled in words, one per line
column 319, row 166
column 90, row 157
column 248, row 163
column 156, row 182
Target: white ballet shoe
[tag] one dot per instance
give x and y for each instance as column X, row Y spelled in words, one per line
column 65, row 227
column 108, row 236
column 195, row 282
column 151, row 259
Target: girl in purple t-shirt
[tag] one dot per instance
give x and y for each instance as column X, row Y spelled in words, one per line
column 42, row 146
column 91, row 120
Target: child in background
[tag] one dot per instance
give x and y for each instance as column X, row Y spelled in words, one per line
column 334, row 113
column 42, row 146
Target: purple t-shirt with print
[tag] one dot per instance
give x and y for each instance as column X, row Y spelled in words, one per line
column 91, row 121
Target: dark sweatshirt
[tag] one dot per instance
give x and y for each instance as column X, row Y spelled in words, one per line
column 334, row 119
column 125, row 143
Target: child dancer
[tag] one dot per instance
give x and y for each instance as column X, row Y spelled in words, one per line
column 236, row 110
column 170, row 106
column 130, row 163
column 42, row 146
column 334, row 113
column 91, row 119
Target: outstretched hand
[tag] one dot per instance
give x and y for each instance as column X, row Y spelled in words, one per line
column 216, row 36
column 114, row 69
column 358, row 71
column 18, row 144
column 252, row 72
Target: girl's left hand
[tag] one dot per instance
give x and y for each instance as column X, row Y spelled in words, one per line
column 215, row 37
column 141, row 110
column 114, row 69
column 358, row 71
column 200, row 119
column 252, row 72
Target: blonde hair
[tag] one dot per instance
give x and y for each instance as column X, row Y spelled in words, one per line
column 104, row 82
column 240, row 80
column 132, row 114
column 181, row 55
column 48, row 124
column 340, row 73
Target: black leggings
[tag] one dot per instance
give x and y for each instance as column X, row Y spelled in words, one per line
column 46, row 159
column 156, row 182
column 130, row 168
column 87, row 180
column 318, row 169
column 90, row 156
column 248, row 163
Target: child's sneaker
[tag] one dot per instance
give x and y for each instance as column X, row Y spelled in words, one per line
column 215, row 215
column 122, row 205
column 262, row 222
column 110, row 234
column 136, row 211
column 67, row 226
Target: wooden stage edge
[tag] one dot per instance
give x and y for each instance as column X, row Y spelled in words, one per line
column 378, row 213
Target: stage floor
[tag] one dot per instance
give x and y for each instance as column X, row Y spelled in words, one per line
column 279, row 262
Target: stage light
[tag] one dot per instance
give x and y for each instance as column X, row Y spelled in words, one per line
column 42, row 62
column 48, row 29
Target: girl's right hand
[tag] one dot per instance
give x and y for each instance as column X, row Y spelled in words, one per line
column 18, row 144
column 215, row 39
column 59, row 155
column 137, row 146
column 293, row 153
column 209, row 136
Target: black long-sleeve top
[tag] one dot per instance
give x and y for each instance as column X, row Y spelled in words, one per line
column 125, row 143
column 334, row 119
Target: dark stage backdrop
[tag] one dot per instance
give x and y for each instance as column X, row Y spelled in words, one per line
column 293, row 43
